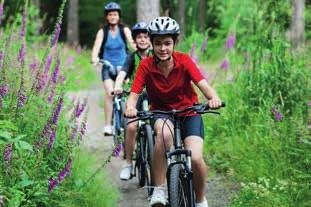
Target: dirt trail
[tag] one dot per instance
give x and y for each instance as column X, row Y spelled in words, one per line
column 217, row 192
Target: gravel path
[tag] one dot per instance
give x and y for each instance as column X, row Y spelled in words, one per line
column 218, row 192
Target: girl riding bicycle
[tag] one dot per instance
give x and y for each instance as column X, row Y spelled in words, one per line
column 168, row 78
column 111, row 46
column 142, row 41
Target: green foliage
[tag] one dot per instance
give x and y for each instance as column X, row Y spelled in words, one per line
column 33, row 108
column 269, row 155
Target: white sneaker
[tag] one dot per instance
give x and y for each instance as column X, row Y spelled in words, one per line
column 202, row 204
column 158, row 196
column 107, row 130
column 126, row 172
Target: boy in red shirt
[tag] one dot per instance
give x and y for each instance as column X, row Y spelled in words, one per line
column 168, row 78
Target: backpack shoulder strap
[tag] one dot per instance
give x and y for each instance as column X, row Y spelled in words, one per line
column 101, row 52
column 123, row 36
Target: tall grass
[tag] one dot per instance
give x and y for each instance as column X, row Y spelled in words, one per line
column 40, row 128
column 262, row 137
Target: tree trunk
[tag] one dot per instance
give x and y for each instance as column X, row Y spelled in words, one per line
column 181, row 18
column 73, row 23
column 202, row 15
column 147, row 10
column 36, row 3
column 297, row 24
column 167, row 11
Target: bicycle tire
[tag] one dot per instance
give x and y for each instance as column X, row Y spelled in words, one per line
column 115, row 132
column 141, row 160
column 179, row 188
column 150, row 150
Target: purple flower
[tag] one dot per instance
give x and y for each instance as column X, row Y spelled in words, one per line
column 225, row 65
column 8, row 152
column 4, row 87
column 57, row 111
column 68, row 165
column 23, row 30
column 1, row 59
column 56, row 34
column 69, row 61
column 203, row 47
column 33, row 66
column 22, row 53
column 192, row 51
column 21, row 99
column 309, row 103
column 80, row 108
column 62, row 174
column 277, row 114
column 52, row 139
column 50, row 98
column 74, row 133
column 230, row 41
column 62, row 79
column 48, row 64
column 56, row 71
column 1, row 11
column 78, row 50
column 52, row 184
column 83, row 128
column 21, row 94
column 41, row 81
column 117, row 150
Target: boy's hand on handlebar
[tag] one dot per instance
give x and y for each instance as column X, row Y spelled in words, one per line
column 131, row 112
column 214, row 103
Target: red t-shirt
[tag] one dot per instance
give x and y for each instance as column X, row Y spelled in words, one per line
column 172, row 92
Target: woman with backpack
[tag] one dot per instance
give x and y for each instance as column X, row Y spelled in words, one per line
column 110, row 46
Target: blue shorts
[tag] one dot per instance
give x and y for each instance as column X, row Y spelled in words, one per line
column 109, row 71
column 190, row 125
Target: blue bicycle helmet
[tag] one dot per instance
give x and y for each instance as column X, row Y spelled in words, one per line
column 112, row 6
column 140, row 27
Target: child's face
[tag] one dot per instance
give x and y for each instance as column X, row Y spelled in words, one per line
column 113, row 17
column 163, row 46
column 142, row 40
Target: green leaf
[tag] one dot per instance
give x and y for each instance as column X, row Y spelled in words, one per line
column 19, row 137
column 25, row 183
column 22, row 145
column 5, row 137
column 5, row 124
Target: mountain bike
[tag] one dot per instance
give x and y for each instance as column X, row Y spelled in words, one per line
column 144, row 148
column 179, row 172
column 118, row 120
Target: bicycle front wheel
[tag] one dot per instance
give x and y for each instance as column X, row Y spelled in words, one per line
column 180, row 188
column 149, row 156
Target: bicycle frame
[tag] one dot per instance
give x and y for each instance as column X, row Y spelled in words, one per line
column 117, row 116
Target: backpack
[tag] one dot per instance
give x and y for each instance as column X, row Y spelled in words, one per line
column 106, row 30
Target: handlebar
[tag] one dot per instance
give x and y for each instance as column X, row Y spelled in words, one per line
column 197, row 108
column 124, row 92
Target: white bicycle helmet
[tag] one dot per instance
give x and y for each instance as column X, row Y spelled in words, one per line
column 163, row 26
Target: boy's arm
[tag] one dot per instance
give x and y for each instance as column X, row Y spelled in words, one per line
column 131, row 110
column 213, row 99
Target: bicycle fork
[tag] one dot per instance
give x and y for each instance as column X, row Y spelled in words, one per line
column 183, row 157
